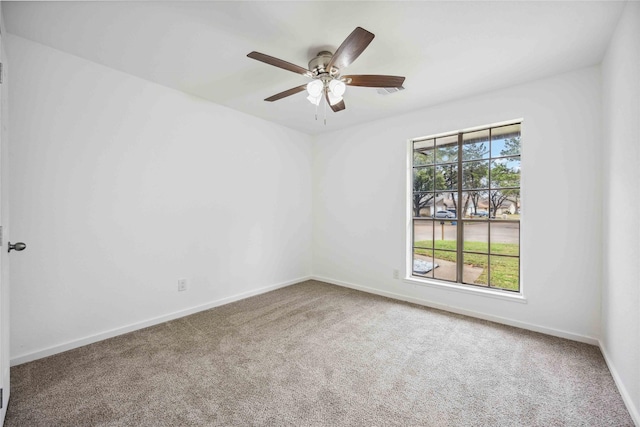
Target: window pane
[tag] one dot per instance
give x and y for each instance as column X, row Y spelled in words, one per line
column 423, row 178
column 447, row 149
column 503, row 202
column 446, row 266
column 445, row 236
column 423, row 263
column 476, row 204
column 445, row 206
column 505, row 141
column 504, row 272
column 423, row 233
column 476, row 236
column 474, row 269
column 505, row 172
column 447, row 177
column 475, row 145
column 464, row 206
column 423, row 204
column 505, row 238
column 475, row 175
column 423, row 152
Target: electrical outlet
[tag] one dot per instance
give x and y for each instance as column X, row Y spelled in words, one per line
column 182, row 285
column 396, row 274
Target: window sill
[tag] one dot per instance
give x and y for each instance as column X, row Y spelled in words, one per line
column 468, row 289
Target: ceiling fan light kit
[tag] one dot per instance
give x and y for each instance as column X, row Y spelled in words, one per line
column 325, row 68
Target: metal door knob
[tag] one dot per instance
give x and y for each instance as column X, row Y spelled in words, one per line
column 17, row 247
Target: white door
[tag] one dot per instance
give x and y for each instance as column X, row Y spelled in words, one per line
column 4, row 282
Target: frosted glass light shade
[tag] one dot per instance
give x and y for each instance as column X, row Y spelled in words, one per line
column 314, row 88
column 315, row 100
column 337, row 87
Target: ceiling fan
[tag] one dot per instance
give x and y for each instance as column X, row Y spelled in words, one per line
column 325, row 70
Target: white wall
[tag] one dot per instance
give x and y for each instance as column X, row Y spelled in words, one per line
column 359, row 203
column 621, row 205
column 120, row 186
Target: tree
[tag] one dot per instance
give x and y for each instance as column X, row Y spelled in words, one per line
column 474, row 197
column 446, row 157
column 497, row 198
column 475, row 174
column 511, row 147
column 502, row 176
column 425, row 181
column 422, row 181
column 447, row 179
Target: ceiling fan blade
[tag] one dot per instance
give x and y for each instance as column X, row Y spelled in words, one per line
column 279, row 63
column 374, row 80
column 339, row 106
column 286, row 93
column 351, row 48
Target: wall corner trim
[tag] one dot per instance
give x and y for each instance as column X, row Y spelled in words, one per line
column 70, row 345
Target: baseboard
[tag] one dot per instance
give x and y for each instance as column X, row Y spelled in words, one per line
column 479, row 315
column 50, row 351
column 634, row 411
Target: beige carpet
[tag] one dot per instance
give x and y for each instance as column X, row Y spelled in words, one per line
column 317, row 354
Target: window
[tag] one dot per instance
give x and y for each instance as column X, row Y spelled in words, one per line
column 466, row 205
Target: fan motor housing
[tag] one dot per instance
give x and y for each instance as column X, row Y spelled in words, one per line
column 318, row 65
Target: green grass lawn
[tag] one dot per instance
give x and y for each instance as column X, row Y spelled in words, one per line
column 504, row 270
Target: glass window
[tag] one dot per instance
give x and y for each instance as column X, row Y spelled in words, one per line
column 466, row 207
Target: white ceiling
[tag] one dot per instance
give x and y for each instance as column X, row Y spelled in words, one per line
column 446, row 50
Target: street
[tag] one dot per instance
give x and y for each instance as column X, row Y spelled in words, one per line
column 474, row 231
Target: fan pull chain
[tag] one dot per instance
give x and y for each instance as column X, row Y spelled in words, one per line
column 325, row 111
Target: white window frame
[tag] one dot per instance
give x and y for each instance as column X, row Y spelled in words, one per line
column 408, row 276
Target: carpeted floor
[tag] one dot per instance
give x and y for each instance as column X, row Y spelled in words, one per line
column 317, row 354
